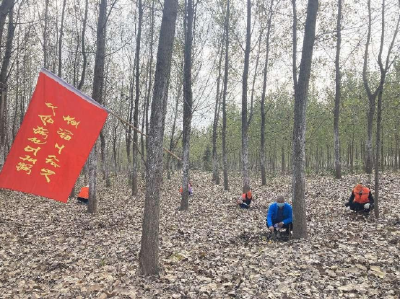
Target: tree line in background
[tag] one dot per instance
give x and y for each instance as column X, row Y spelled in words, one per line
column 320, row 156
column 295, row 95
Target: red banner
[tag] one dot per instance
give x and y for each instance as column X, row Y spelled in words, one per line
column 59, row 130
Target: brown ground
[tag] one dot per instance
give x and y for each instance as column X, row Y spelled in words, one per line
column 214, row 250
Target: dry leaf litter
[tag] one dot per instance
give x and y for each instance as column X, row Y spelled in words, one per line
column 214, row 250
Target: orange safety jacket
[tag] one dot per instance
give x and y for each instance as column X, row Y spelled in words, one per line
column 84, row 193
column 244, row 197
column 363, row 198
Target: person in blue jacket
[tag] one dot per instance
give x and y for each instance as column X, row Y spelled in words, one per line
column 279, row 215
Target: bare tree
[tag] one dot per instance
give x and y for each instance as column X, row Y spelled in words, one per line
column 148, row 256
column 146, row 103
column 294, row 49
column 60, row 40
column 3, row 82
column 150, row 85
column 215, row 176
column 84, row 63
column 45, row 36
column 5, row 8
column 226, row 70
column 299, row 127
column 187, row 104
column 84, row 55
column 172, row 142
column 338, row 166
column 263, row 95
column 137, row 95
column 245, row 123
column 97, row 95
column 383, row 72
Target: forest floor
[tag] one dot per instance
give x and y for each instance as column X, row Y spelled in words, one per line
column 215, row 250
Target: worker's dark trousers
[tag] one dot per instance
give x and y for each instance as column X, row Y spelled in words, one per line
column 83, row 200
column 360, row 207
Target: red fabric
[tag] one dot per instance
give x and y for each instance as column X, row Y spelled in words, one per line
column 363, row 198
column 84, row 193
column 54, row 141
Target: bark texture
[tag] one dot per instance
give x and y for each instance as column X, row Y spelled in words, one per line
column 97, row 95
column 226, row 70
column 263, row 96
column 187, row 104
column 136, row 112
column 148, row 256
column 299, row 127
column 338, row 165
column 245, row 125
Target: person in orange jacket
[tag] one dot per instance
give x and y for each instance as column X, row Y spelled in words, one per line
column 83, row 195
column 245, row 200
column 190, row 189
column 361, row 199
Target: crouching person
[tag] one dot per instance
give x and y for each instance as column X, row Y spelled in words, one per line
column 245, row 200
column 83, row 195
column 361, row 199
column 279, row 215
column 190, row 189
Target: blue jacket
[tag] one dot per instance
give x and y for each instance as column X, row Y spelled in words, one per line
column 273, row 214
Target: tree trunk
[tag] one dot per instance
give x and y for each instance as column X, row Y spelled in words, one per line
column 92, row 204
column 263, row 96
column 128, row 133
column 45, row 36
column 371, row 99
column 115, row 152
column 187, row 104
column 97, row 95
column 136, row 112
column 245, row 137
column 84, row 56
column 378, row 148
column 299, row 127
column 150, row 70
column 171, row 142
column 148, row 256
column 3, row 84
column 338, row 165
column 383, row 71
column 226, row 70
column 294, row 50
column 396, row 145
column 84, row 62
column 215, row 176
column 61, row 39
column 17, row 98
column 5, row 8
column 104, row 166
